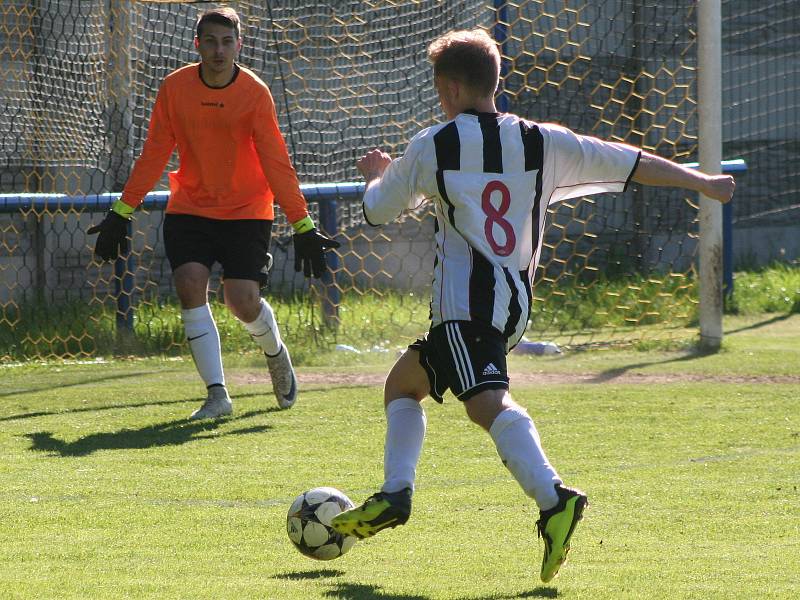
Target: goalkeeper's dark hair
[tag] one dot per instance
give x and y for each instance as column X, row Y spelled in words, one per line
column 468, row 56
column 222, row 15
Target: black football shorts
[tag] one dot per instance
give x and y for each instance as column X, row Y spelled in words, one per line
column 463, row 356
column 240, row 246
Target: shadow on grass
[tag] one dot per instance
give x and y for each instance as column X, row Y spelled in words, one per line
column 695, row 353
column 84, row 409
column 171, row 433
column 539, row 592
column 759, row 324
column 611, row 374
column 352, row 591
column 318, row 574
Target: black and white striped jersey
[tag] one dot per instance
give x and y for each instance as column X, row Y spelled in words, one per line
column 491, row 177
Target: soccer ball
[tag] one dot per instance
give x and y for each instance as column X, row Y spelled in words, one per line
column 309, row 523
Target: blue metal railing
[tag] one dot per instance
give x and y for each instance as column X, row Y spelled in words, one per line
column 326, row 195
column 95, row 202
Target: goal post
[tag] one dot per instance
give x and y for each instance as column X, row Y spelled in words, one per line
column 709, row 108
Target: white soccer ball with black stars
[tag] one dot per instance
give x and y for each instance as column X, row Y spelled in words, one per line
column 309, row 523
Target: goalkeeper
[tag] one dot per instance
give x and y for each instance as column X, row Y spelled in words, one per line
column 233, row 165
column 490, row 177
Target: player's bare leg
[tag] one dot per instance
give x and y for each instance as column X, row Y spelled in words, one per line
column 191, row 285
column 519, row 447
column 406, row 386
column 242, row 296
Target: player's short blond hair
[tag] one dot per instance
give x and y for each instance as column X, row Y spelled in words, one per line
column 468, row 56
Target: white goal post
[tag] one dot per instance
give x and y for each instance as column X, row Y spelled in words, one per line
column 709, row 109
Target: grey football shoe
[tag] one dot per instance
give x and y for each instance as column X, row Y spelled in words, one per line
column 218, row 404
column 284, row 382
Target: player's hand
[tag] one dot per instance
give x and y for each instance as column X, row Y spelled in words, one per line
column 113, row 236
column 719, row 187
column 373, row 164
column 309, row 252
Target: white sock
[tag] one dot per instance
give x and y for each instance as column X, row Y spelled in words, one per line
column 405, row 432
column 264, row 330
column 520, row 448
column 203, row 338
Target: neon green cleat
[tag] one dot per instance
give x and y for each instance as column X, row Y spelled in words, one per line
column 556, row 525
column 380, row 511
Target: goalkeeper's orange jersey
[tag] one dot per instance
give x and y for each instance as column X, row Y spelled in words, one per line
column 233, row 160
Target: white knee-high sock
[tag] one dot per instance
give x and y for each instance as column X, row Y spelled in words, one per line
column 520, row 448
column 405, row 432
column 203, row 338
column 264, row 330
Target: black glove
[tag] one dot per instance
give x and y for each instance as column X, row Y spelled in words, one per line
column 113, row 238
column 309, row 252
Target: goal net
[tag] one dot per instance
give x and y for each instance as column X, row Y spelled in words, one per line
column 80, row 81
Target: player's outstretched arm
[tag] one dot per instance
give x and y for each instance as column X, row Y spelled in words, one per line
column 656, row 171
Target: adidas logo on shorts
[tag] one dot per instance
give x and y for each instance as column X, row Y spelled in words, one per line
column 491, row 370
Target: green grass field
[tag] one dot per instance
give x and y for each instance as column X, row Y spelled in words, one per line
column 691, row 462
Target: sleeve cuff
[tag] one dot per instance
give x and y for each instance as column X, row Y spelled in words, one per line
column 366, row 218
column 303, row 225
column 123, row 209
column 633, row 170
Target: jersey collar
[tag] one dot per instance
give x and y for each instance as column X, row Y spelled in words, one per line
column 236, row 70
column 473, row 112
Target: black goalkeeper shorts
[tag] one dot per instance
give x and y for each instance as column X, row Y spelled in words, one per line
column 240, row 246
column 463, row 356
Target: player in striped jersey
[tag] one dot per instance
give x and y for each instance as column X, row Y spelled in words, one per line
column 491, row 177
column 233, row 165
